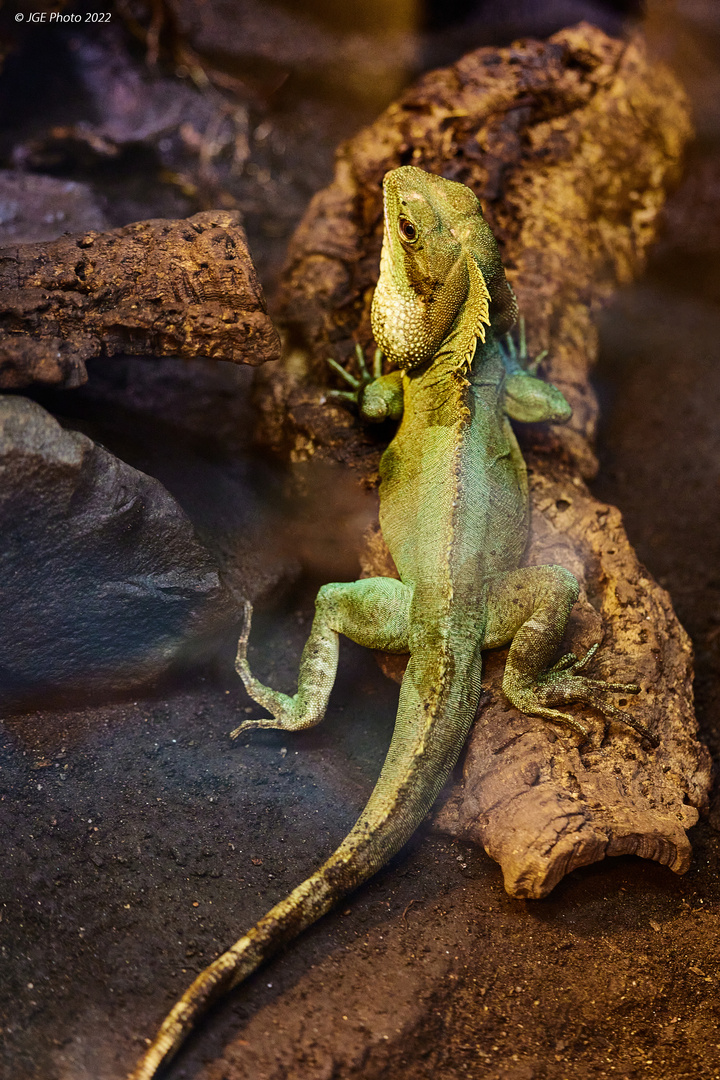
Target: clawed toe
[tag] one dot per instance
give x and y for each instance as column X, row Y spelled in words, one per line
column 599, row 686
column 271, row 722
column 613, row 713
column 566, row 720
column 253, row 725
column 592, row 693
column 618, row 688
column 557, row 717
column 565, row 662
column 585, row 660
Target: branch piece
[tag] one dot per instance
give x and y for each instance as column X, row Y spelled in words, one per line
column 165, row 288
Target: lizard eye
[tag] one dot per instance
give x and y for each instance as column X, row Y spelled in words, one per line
column 407, row 230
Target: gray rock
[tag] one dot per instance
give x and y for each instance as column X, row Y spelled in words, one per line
column 103, row 583
column 35, row 209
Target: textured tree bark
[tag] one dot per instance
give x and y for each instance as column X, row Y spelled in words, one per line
column 165, row 288
column 570, row 145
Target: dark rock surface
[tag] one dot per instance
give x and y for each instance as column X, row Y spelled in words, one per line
column 40, row 208
column 103, row 582
column 189, row 425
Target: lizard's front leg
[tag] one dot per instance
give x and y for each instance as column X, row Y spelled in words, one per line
column 530, row 607
column 373, row 612
column 377, row 397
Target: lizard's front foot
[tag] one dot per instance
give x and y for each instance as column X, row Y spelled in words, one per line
column 377, row 397
column 355, row 394
column 562, row 685
column 516, row 356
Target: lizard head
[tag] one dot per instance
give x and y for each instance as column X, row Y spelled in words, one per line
column 439, row 258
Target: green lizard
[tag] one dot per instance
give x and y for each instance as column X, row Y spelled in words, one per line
column 454, row 514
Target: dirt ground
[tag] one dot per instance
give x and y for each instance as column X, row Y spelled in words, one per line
column 138, row 840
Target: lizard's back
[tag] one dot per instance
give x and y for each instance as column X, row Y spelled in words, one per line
column 453, row 494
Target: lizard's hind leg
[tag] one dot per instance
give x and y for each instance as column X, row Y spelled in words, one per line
column 373, row 612
column 530, row 607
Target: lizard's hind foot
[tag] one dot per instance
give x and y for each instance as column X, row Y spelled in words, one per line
column 563, row 685
column 530, row 607
column 281, row 706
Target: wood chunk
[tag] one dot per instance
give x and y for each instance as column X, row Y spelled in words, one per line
column 571, row 145
column 165, row 288
column 536, row 801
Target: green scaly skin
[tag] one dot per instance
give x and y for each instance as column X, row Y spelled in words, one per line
column 454, row 514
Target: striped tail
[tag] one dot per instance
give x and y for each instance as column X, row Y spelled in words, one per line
column 426, row 744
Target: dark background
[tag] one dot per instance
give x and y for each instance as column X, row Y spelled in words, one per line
column 136, row 840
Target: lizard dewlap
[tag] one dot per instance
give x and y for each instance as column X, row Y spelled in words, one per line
column 454, row 514
column 438, row 253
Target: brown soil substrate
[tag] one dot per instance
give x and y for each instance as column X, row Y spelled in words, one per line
column 147, row 840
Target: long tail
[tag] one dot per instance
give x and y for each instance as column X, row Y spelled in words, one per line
column 426, row 743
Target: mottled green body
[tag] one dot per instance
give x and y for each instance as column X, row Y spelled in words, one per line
column 454, row 513
column 452, row 473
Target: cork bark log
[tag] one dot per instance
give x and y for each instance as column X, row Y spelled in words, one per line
column 164, row 288
column 570, row 144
